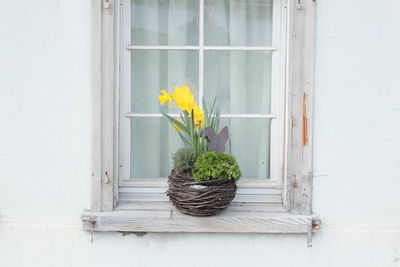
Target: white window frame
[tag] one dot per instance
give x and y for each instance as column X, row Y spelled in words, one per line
column 249, row 190
column 293, row 176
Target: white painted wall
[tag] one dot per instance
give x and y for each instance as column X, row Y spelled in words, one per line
column 45, row 148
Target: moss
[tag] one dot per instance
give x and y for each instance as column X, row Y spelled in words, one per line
column 212, row 165
column 184, row 159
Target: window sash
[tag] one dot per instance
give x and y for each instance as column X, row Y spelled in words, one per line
column 277, row 115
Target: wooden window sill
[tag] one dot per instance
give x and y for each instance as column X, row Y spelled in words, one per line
column 163, row 217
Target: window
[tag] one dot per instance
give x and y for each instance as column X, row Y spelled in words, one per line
column 256, row 56
column 232, row 50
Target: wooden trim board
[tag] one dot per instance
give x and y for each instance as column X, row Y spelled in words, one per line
column 238, row 218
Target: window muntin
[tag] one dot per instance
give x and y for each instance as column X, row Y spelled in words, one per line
column 225, row 67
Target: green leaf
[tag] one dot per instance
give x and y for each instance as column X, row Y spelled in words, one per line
column 213, row 105
column 212, row 165
column 184, row 139
column 176, row 122
column 205, row 110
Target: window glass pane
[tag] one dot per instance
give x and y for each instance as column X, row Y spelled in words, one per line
column 161, row 22
column 241, row 80
column 250, row 145
column 153, row 141
column 155, row 70
column 238, row 22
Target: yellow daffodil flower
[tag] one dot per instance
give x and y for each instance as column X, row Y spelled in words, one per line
column 198, row 116
column 165, row 98
column 183, row 98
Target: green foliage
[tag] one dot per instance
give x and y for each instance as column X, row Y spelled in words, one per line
column 212, row 116
column 193, row 134
column 212, row 166
column 184, row 159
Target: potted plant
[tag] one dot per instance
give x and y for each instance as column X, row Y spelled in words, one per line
column 203, row 179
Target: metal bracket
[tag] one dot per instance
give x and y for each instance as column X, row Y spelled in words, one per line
column 93, row 223
column 106, row 179
column 298, row 5
column 107, row 6
column 313, row 228
column 309, row 236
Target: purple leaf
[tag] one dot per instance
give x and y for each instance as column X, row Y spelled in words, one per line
column 217, row 142
column 210, row 133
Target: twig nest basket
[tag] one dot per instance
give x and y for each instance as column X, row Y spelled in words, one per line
column 203, row 198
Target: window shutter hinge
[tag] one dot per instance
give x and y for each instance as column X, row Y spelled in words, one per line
column 107, row 4
column 106, row 179
column 298, row 4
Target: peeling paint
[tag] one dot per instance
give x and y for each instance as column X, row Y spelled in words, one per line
column 294, row 182
column 305, row 121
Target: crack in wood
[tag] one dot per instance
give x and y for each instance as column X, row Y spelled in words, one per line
column 305, row 121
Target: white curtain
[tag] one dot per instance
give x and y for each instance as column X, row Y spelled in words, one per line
column 241, row 80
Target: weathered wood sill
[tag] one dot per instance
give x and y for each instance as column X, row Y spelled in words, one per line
column 163, row 217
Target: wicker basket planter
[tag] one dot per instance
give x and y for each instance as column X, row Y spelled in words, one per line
column 203, row 198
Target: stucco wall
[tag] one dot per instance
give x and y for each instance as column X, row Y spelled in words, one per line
column 45, row 148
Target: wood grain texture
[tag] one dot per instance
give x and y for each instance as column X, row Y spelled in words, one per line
column 298, row 181
column 250, row 197
column 244, row 218
column 96, row 104
column 103, row 115
column 108, row 118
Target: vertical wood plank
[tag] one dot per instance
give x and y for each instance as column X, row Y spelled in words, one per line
column 298, row 182
column 103, row 106
column 117, row 97
column 96, row 104
column 108, row 120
